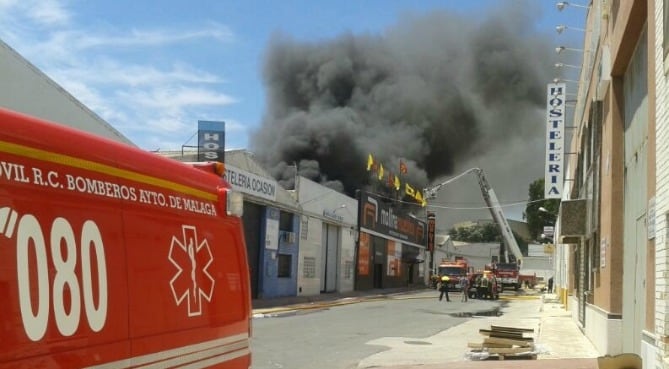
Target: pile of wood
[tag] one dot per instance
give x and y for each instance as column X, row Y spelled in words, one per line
column 505, row 343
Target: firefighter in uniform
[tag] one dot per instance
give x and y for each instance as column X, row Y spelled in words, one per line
column 443, row 288
column 483, row 289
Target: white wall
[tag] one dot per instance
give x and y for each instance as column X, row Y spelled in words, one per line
column 320, row 205
column 309, row 283
column 346, row 260
column 605, row 334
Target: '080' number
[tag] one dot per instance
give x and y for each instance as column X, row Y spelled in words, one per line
column 29, row 235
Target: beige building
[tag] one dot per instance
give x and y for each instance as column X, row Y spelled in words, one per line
column 611, row 262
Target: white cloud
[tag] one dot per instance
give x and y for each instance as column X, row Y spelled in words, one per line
column 154, row 105
column 39, row 12
column 112, row 72
column 169, row 123
column 68, row 45
column 47, row 12
column 171, row 98
column 232, row 125
column 155, row 38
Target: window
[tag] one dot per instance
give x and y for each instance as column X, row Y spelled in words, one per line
column 304, row 228
column 286, row 222
column 348, row 270
column 309, row 268
column 285, row 262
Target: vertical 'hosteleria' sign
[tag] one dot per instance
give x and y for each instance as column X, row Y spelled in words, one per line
column 555, row 113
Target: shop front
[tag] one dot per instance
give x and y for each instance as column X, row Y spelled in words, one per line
column 391, row 245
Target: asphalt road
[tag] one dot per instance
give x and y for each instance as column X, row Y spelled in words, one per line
column 337, row 337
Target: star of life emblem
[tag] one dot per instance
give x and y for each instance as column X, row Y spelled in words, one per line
column 192, row 281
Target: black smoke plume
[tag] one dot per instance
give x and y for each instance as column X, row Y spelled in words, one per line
column 443, row 91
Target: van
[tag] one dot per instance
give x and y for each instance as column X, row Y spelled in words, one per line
column 113, row 257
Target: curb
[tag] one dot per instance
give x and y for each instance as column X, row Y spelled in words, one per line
column 294, row 309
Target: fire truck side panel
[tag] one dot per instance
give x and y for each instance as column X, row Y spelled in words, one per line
column 219, row 288
column 113, row 256
column 36, row 218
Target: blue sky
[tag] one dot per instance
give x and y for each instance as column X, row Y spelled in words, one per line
column 152, row 69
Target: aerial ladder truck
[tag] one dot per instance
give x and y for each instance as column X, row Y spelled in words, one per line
column 508, row 272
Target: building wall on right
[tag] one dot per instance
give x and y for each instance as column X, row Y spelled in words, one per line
column 614, row 265
column 661, row 290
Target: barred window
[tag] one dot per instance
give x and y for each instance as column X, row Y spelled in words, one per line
column 309, row 269
column 285, row 262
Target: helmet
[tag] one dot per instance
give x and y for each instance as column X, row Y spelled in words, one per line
column 445, row 278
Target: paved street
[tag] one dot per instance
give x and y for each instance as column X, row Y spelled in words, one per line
column 407, row 330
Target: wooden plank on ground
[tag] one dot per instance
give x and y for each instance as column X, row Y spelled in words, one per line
column 493, row 335
column 513, row 357
column 478, row 345
column 508, row 341
column 502, row 334
column 499, row 327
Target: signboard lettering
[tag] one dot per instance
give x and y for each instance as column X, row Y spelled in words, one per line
column 210, row 141
column 554, row 172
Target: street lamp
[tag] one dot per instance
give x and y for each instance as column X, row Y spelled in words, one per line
column 563, row 4
column 561, row 28
column 558, row 80
column 563, row 65
column 551, row 222
column 551, row 215
column 560, row 49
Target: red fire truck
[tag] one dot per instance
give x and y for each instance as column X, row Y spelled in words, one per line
column 508, row 274
column 455, row 270
column 112, row 257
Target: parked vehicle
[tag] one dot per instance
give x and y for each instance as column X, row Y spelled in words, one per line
column 455, row 270
column 489, row 291
column 527, row 280
column 114, row 257
column 508, row 274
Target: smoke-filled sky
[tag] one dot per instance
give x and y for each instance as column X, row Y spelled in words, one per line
column 441, row 91
column 443, row 84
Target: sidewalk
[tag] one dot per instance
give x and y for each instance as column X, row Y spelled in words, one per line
column 559, row 342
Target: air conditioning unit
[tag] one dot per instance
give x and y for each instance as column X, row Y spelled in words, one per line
column 288, row 237
column 572, row 220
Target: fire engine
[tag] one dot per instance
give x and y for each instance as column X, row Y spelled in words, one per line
column 506, row 272
column 454, row 269
column 112, row 257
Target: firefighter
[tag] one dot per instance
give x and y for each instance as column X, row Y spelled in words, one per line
column 443, row 288
column 464, row 285
column 483, row 289
column 477, row 286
